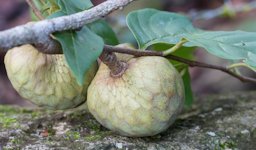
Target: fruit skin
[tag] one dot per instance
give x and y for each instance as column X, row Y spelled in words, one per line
column 45, row 80
column 144, row 101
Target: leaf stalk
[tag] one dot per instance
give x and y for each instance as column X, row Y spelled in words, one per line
column 175, row 47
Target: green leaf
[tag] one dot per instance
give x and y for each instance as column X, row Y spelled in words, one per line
column 74, row 6
column 101, row 28
column 46, row 7
column 189, row 97
column 225, row 44
column 151, row 26
column 251, row 61
column 81, row 49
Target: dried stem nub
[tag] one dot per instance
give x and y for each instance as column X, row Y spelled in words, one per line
column 117, row 67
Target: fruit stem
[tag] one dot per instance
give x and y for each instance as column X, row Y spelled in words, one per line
column 116, row 66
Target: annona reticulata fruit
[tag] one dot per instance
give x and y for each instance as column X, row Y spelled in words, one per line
column 45, row 80
column 144, row 101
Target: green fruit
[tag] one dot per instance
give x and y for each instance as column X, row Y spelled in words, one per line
column 45, row 80
column 144, row 101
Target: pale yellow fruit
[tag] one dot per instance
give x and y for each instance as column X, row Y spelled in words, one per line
column 45, row 80
column 144, row 101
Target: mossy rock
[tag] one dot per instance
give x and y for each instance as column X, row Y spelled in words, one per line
column 215, row 122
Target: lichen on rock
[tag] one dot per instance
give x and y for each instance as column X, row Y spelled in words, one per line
column 229, row 118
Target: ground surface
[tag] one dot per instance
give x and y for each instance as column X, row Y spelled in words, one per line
column 216, row 122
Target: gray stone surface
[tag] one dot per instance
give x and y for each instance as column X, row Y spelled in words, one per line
column 215, row 122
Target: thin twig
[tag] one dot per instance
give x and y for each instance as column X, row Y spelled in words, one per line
column 132, row 51
column 190, row 63
column 210, row 66
column 39, row 32
column 40, row 16
column 35, row 10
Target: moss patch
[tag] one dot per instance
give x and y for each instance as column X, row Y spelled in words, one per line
column 227, row 116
